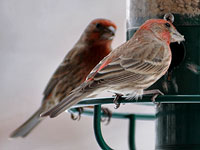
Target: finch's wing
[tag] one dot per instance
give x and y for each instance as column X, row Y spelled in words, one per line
column 63, row 69
column 130, row 65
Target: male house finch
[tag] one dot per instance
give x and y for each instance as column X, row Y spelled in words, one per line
column 93, row 45
column 130, row 68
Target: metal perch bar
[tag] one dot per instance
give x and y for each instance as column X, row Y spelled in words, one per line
column 144, row 100
column 119, row 115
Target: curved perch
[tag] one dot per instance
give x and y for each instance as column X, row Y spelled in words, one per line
column 97, row 128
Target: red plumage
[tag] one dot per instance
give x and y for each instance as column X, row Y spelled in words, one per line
column 131, row 68
column 93, row 45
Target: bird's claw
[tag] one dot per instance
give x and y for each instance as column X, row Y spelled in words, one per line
column 155, row 93
column 115, row 101
column 153, row 99
column 78, row 117
column 108, row 115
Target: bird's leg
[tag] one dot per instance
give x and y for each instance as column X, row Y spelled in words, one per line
column 155, row 93
column 115, row 101
column 80, row 111
column 108, row 114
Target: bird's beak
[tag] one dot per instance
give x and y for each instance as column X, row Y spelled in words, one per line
column 108, row 33
column 112, row 30
column 176, row 36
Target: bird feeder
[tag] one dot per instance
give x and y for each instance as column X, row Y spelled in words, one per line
column 177, row 125
column 178, row 115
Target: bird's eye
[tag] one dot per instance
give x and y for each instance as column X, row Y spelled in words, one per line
column 167, row 25
column 98, row 25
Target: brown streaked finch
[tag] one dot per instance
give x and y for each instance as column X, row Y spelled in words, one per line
column 93, row 45
column 130, row 68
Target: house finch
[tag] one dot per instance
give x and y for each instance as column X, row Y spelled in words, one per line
column 93, row 45
column 130, row 68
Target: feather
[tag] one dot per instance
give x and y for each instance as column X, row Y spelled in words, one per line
column 28, row 126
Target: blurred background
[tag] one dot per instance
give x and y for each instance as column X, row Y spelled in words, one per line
column 35, row 35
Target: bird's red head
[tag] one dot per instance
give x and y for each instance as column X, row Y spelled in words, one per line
column 104, row 22
column 101, row 30
column 162, row 29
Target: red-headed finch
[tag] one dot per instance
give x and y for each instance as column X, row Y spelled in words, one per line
column 93, row 45
column 131, row 68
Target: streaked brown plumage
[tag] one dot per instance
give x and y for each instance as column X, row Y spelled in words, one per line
column 130, row 68
column 93, row 45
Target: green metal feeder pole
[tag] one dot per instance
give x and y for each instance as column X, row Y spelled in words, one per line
column 177, row 125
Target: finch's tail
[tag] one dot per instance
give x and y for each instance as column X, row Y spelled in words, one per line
column 28, row 126
column 77, row 95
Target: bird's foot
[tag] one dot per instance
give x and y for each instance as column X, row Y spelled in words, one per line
column 155, row 93
column 78, row 117
column 107, row 113
column 115, row 101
